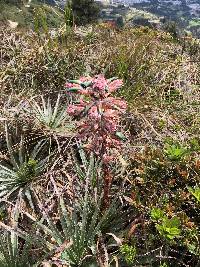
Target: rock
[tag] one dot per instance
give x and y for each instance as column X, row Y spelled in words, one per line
column 12, row 24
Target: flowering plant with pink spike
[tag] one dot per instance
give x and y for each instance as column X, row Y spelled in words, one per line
column 99, row 118
column 99, row 114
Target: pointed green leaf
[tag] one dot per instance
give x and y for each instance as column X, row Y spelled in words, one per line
column 120, row 135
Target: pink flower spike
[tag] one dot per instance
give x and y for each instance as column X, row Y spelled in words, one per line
column 97, row 114
column 107, row 159
column 99, row 83
column 121, row 104
column 93, row 113
column 115, row 103
column 111, row 126
column 84, row 92
column 75, row 109
column 85, row 79
column 114, row 85
column 110, row 114
column 69, row 85
column 71, row 109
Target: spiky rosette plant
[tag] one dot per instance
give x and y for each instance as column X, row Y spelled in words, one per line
column 99, row 118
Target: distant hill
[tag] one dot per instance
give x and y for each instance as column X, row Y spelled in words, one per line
column 185, row 13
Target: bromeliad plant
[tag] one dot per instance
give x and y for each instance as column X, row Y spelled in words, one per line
column 76, row 235
column 99, row 118
column 10, row 254
column 21, row 168
column 51, row 117
column 15, row 254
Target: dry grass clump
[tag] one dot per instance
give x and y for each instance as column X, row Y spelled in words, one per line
column 147, row 60
column 30, row 65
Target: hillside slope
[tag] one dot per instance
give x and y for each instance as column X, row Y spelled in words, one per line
column 47, row 168
column 23, row 14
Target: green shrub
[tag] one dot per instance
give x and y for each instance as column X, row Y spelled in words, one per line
column 195, row 193
column 129, row 253
column 175, row 152
column 85, row 11
column 169, row 228
column 159, row 190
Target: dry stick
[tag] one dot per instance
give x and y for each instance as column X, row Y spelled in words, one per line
column 61, row 157
column 102, row 253
column 170, row 257
column 161, row 256
column 19, row 232
column 150, row 252
column 151, row 126
column 107, row 173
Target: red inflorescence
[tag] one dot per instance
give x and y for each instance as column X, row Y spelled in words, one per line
column 99, row 113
